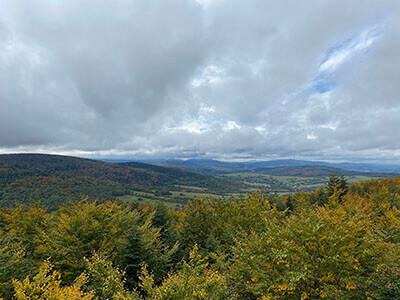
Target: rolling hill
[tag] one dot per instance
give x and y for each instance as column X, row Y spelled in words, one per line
column 318, row 171
column 211, row 166
column 53, row 179
column 283, row 177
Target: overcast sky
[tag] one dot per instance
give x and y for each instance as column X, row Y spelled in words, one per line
column 206, row 78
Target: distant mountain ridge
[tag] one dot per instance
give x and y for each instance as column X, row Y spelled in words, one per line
column 220, row 167
column 319, row 171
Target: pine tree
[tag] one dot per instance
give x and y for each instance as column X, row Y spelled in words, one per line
column 339, row 185
column 133, row 256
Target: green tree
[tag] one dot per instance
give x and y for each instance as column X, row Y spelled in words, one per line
column 21, row 235
column 79, row 229
column 316, row 252
column 195, row 280
column 106, row 281
column 337, row 185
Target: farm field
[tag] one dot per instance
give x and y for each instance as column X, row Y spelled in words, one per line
column 267, row 184
column 179, row 196
column 283, row 185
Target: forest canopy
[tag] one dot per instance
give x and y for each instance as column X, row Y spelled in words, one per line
column 340, row 242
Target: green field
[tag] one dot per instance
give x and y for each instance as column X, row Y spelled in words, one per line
column 268, row 184
column 283, row 185
column 179, row 196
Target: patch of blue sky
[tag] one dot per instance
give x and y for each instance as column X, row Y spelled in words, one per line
column 345, row 51
column 324, row 86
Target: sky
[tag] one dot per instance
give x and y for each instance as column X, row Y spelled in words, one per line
column 225, row 79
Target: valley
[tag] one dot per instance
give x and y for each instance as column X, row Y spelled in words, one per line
column 54, row 180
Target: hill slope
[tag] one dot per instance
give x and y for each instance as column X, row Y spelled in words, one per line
column 53, row 179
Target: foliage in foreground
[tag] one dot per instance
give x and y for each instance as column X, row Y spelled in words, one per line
column 336, row 243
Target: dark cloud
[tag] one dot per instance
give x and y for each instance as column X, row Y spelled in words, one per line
column 200, row 78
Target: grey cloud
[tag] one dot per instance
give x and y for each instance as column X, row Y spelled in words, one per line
column 177, row 78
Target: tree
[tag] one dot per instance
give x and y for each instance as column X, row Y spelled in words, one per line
column 289, row 204
column 337, row 185
column 79, row 229
column 106, row 281
column 195, row 280
column 133, row 256
column 46, row 285
column 21, row 235
column 316, row 252
column 14, row 264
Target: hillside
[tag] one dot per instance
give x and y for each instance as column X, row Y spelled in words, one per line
column 280, row 177
column 53, row 179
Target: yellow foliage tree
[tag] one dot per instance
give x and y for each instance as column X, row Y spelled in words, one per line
column 46, row 285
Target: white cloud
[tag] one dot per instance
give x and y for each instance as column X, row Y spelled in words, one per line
column 355, row 45
column 210, row 75
column 311, row 136
column 331, row 126
column 230, row 125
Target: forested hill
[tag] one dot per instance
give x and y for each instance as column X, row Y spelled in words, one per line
column 53, row 179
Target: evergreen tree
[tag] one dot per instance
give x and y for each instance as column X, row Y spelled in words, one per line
column 133, row 256
column 337, row 184
column 289, row 204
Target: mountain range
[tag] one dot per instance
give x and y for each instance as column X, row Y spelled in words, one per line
column 55, row 179
column 212, row 166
